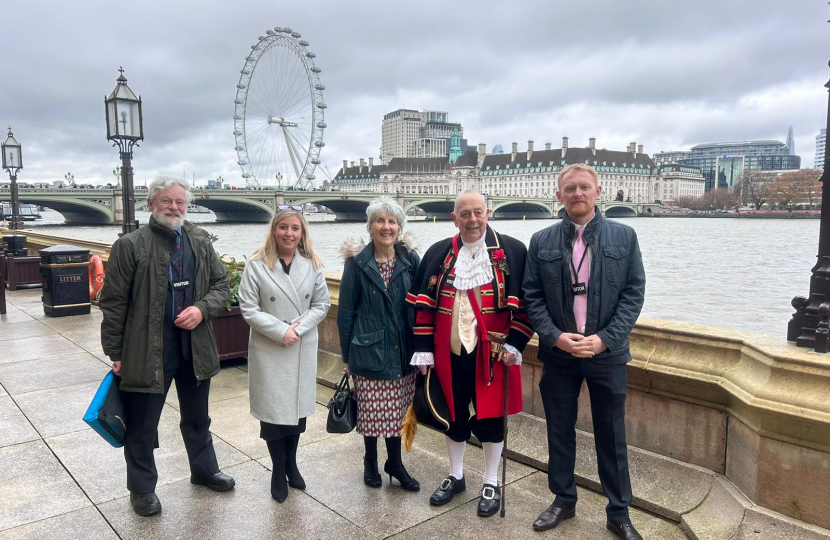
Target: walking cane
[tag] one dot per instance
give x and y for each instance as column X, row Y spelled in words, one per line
column 497, row 341
column 504, row 448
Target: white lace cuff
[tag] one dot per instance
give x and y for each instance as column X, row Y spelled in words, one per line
column 422, row 359
column 514, row 351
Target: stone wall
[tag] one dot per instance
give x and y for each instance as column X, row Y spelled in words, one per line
column 748, row 406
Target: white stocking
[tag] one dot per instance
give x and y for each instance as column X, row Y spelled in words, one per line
column 456, row 453
column 492, row 454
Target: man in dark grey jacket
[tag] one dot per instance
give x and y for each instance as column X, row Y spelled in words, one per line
column 163, row 284
column 584, row 286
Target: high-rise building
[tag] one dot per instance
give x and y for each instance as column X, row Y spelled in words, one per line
column 667, row 158
column 717, row 160
column 821, row 142
column 791, row 141
column 407, row 133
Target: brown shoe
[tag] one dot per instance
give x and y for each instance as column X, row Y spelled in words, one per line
column 552, row 517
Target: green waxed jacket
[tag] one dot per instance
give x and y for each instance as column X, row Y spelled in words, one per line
column 133, row 301
column 373, row 319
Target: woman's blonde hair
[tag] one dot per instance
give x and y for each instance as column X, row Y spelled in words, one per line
column 269, row 252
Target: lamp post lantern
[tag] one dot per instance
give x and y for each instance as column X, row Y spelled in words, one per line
column 809, row 325
column 125, row 128
column 13, row 162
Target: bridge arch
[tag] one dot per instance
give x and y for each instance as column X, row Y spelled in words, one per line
column 523, row 207
column 435, row 207
column 347, row 207
column 230, row 208
column 620, row 211
column 81, row 211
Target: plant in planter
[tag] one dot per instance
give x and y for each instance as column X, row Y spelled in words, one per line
column 229, row 326
column 235, row 269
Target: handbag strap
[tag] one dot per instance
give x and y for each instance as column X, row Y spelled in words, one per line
column 344, row 383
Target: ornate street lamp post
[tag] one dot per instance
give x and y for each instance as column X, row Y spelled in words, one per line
column 125, row 128
column 809, row 325
column 13, row 162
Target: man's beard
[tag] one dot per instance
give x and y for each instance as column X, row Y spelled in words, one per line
column 172, row 223
column 580, row 210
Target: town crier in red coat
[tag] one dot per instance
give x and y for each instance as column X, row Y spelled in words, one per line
column 467, row 286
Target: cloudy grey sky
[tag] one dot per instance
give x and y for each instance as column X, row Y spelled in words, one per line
column 664, row 73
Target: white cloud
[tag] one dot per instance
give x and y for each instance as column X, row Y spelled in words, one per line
column 666, row 74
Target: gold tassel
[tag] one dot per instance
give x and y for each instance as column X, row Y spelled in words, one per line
column 409, row 428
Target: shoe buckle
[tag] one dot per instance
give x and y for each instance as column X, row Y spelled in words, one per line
column 488, row 493
column 446, row 484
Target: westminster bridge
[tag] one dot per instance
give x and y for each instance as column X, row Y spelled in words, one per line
column 104, row 206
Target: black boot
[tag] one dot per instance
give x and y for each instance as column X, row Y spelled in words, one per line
column 279, row 487
column 394, row 465
column 295, row 479
column 371, row 476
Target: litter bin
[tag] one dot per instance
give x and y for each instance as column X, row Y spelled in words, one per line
column 65, row 271
column 15, row 245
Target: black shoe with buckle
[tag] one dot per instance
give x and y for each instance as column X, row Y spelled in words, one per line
column 147, row 504
column 625, row 530
column 552, row 517
column 490, row 500
column 448, row 488
column 218, row 481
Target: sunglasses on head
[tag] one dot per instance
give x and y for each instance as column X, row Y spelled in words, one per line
column 291, row 206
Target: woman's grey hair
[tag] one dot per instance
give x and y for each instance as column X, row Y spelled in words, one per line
column 385, row 205
column 166, row 182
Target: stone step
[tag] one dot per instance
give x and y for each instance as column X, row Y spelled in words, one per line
column 727, row 513
column 707, row 505
column 661, row 485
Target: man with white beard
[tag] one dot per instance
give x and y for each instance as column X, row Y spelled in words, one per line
column 163, row 284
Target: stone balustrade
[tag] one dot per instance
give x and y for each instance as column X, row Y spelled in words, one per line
column 751, row 407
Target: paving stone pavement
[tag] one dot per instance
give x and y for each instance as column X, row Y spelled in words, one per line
column 61, row 480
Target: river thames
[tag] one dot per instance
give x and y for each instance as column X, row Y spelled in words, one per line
column 732, row 273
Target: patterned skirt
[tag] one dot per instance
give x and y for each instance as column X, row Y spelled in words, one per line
column 382, row 405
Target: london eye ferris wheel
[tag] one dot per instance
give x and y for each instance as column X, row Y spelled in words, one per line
column 279, row 112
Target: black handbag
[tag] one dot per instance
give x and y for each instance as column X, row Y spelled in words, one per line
column 429, row 403
column 342, row 409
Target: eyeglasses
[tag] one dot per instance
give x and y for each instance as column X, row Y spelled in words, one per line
column 291, row 206
column 164, row 201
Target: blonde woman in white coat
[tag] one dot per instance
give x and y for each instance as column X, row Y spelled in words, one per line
column 283, row 297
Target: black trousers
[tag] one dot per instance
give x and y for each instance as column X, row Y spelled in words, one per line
column 464, row 392
column 560, row 386
column 143, row 412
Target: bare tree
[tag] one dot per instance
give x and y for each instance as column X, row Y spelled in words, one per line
column 755, row 187
column 692, row 203
column 717, row 198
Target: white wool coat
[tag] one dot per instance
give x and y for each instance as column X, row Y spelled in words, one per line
column 283, row 380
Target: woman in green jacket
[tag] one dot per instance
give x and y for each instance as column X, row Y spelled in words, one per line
column 375, row 327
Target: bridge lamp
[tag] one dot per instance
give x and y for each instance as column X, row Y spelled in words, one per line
column 125, row 128
column 13, row 162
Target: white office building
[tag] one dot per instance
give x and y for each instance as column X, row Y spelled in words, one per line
column 407, row 133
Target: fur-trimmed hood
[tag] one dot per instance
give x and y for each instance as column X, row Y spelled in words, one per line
column 351, row 248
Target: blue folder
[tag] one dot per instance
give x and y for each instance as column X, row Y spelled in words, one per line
column 106, row 412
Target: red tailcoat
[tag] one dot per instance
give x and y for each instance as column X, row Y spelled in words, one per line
column 501, row 311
